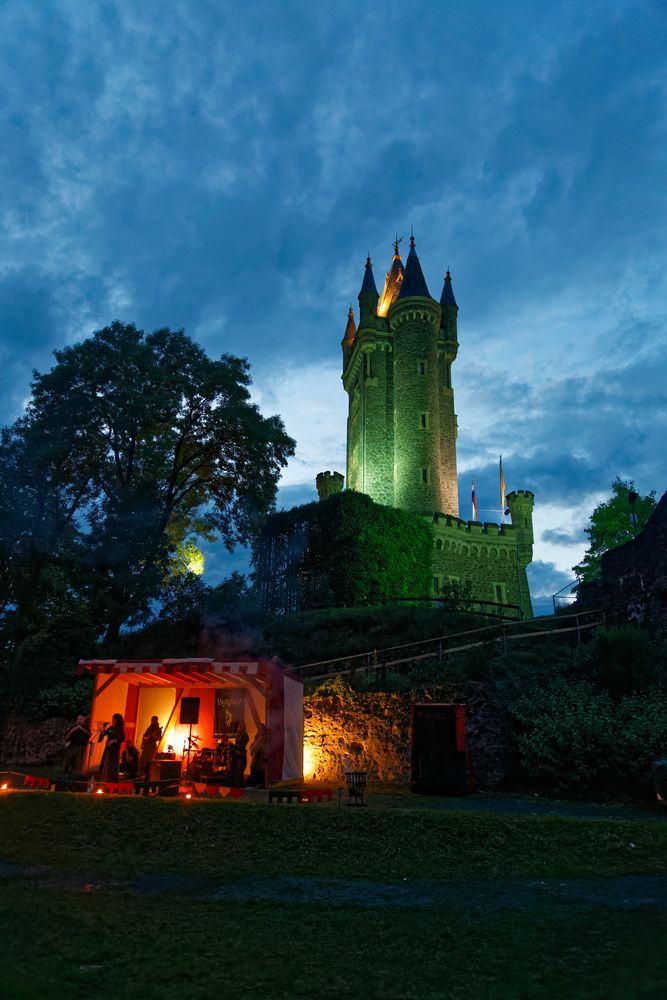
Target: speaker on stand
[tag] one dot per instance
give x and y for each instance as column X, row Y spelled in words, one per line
column 189, row 717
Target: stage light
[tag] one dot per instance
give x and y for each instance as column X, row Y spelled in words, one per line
column 100, row 791
column 4, row 787
column 188, row 795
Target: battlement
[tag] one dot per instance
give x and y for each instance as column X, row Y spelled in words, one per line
column 328, row 484
column 520, row 495
column 442, row 520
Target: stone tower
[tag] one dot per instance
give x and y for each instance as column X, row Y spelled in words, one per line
column 401, row 431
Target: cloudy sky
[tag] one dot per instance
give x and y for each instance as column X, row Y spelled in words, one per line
column 226, row 167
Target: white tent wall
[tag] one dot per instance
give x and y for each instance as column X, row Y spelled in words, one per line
column 293, row 748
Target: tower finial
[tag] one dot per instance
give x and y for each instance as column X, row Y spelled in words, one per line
column 412, row 238
column 399, row 239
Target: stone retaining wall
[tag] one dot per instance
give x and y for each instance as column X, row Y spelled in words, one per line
column 370, row 732
column 24, row 742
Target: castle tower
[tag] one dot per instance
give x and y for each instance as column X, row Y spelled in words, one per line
column 368, row 380
column 401, row 432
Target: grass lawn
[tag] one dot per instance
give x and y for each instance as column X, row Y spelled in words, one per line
column 94, row 922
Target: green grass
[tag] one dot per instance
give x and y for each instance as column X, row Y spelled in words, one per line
column 147, row 835
column 60, row 941
column 174, row 947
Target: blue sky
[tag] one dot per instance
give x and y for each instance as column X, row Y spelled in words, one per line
column 225, row 167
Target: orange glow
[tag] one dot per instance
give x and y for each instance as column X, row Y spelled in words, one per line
column 100, row 791
column 311, row 760
column 5, row 786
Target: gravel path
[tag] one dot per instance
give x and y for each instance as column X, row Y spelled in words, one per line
column 483, row 895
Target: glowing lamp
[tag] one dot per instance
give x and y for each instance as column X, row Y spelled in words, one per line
column 188, row 795
column 4, row 787
column 100, row 791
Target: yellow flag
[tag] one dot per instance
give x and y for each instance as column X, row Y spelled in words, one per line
column 502, row 486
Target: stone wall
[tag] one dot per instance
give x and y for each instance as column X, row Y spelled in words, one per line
column 24, row 742
column 344, row 729
column 633, row 583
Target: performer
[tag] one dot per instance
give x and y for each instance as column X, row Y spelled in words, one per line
column 129, row 761
column 114, row 735
column 149, row 745
column 258, row 754
column 76, row 741
column 240, row 755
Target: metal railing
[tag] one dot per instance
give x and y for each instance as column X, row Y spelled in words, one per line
column 428, row 649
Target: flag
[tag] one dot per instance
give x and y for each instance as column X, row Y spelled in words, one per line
column 474, row 502
column 502, row 488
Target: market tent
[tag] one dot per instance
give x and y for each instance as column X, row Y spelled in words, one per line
column 260, row 692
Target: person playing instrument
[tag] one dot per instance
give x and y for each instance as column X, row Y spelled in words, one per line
column 149, row 744
column 114, row 735
column 129, row 761
column 76, row 741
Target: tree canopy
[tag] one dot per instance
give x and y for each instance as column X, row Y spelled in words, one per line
column 131, row 448
column 614, row 522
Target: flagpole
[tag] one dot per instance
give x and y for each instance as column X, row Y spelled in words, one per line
column 502, row 491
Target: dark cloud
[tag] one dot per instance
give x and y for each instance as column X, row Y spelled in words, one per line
column 545, row 581
column 558, row 537
column 227, row 170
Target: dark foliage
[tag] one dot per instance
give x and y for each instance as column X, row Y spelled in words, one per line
column 344, row 552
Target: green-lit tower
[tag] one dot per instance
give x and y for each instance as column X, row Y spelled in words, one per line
column 401, row 435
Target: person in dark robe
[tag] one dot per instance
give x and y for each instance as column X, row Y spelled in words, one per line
column 77, row 738
column 129, row 761
column 258, row 759
column 149, row 745
column 240, row 755
column 114, row 735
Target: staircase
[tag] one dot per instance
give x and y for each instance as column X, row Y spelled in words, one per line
column 412, row 653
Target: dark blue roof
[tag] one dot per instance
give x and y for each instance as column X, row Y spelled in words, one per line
column 413, row 282
column 368, row 284
column 447, row 297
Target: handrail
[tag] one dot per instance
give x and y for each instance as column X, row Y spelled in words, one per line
column 376, row 659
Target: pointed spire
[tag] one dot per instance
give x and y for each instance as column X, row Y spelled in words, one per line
column 393, row 281
column 447, row 297
column 368, row 284
column 414, row 282
column 350, row 329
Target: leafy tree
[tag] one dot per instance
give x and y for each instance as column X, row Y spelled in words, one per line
column 134, row 446
column 611, row 525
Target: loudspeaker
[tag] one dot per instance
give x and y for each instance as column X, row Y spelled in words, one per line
column 164, row 770
column 189, row 712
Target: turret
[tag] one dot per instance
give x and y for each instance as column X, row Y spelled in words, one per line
column 448, row 321
column 329, row 484
column 368, row 297
column 520, row 504
column 347, row 342
column 414, row 282
column 393, row 282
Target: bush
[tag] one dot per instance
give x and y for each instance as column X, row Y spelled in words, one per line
column 574, row 739
column 624, row 659
column 65, row 700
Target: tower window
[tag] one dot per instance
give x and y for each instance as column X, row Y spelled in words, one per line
column 423, row 420
column 436, row 584
column 499, row 593
column 424, row 476
column 421, row 367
